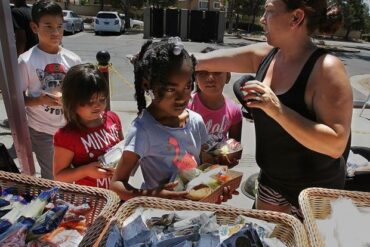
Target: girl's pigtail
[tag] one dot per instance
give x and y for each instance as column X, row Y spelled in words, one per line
column 139, row 70
column 139, row 94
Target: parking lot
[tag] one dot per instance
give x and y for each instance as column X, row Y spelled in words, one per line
column 86, row 44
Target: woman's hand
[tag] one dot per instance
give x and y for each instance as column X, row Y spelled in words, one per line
column 96, row 170
column 258, row 95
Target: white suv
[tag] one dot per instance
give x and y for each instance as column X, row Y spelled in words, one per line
column 109, row 21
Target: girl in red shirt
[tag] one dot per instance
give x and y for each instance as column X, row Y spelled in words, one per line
column 90, row 130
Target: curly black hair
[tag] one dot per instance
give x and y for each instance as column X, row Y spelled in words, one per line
column 155, row 63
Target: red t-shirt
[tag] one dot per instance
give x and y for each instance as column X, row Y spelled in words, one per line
column 87, row 145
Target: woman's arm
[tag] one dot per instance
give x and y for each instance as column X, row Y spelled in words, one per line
column 125, row 191
column 331, row 103
column 63, row 171
column 244, row 59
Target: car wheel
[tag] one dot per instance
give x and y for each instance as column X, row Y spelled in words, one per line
column 96, row 33
column 82, row 27
column 73, row 29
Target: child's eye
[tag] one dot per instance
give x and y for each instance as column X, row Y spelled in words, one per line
column 202, row 73
column 170, row 89
column 188, row 86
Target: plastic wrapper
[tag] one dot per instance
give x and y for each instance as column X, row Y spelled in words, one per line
column 207, row 178
column 65, row 238
column 263, row 228
column 111, row 158
column 47, row 222
column 207, row 240
column 12, row 216
column 18, row 230
column 114, row 238
column 246, row 236
column 82, row 209
column 137, row 232
column 4, row 203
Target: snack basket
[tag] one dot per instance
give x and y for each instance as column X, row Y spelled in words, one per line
column 289, row 229
column 103, row 203
column 234, row 182
column 315, row 204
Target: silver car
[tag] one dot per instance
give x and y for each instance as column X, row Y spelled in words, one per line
column 72, row 22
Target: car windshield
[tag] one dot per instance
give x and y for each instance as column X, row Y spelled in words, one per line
column 106, row 16
column 65, row 13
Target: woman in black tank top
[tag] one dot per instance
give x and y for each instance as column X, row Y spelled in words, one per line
column 301, row 99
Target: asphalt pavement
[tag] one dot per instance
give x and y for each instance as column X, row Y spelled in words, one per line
column 87, row 44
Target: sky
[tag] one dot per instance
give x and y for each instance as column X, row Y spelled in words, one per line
column 368, row 3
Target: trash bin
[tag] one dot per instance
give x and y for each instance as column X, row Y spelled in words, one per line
column 156, row 22
column 173, row 22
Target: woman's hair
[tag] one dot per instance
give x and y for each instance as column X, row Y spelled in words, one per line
column 155, row 63
column 42, row 8
column 326, row 19
column 79, row 85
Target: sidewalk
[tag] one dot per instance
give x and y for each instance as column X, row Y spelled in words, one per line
column 127, row 111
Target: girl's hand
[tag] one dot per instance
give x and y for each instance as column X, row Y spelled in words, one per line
column 258, row 95
column 96, row 170
column 226, row 195
column 50, row 101
column 227, row 160
column 165, row 191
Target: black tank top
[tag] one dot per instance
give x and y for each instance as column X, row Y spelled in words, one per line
column 285, row 164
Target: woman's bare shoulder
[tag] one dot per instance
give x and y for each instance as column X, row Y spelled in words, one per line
column 330, row 69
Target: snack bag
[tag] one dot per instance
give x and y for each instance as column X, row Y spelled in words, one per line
column 112, row 156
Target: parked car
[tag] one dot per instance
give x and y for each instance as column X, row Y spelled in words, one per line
column 72, row 22
column 109, row 21
column 133, row 23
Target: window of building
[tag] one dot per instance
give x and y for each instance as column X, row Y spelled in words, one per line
column 216, row 5
column 203, row 5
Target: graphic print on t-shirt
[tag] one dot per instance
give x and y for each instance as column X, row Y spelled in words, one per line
column 96, row 141
column 51, row 79
column 216, row 129
column 182, row 162
column 100, row 139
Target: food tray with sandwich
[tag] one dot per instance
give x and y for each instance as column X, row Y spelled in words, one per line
column 206, row 183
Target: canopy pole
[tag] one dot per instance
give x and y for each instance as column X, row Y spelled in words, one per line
column 10, row 85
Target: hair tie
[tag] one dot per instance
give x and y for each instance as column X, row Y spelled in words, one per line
column 179, row 46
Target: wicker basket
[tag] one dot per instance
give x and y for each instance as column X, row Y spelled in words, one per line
column 315, row 204
column 289, row 230
column 104, row 203
column 233, row 183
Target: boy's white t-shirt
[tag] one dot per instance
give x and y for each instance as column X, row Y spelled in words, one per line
column 41, row 71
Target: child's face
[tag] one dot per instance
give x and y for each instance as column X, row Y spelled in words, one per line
column 211, row 83
column 92, row 110
column 49, row 30
column 176, row 95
